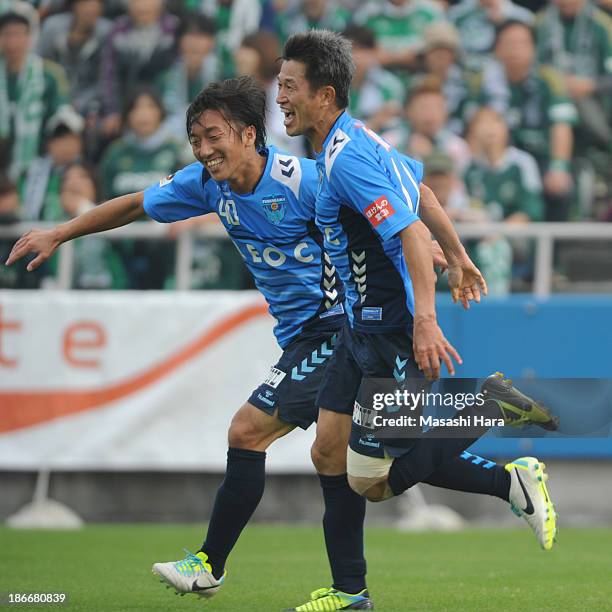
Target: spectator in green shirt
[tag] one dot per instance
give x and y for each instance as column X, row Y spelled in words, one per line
column 145, row 153
column 31, row 92
column 575, row 37
column 504, row 182
column 398, row 26
column 503, row 178
column 477, row 20
column 234, row 19
column 312, row 14
column 493, row 253
column 39, row 185
column 539, row 114
column 97, row 262
column 376, row 95
column 426, row 127
column 142, row 156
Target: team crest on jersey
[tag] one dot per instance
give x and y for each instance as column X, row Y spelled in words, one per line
column 274, row 207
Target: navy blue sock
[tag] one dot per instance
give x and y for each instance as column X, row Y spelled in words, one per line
column 343, row 529
column 436, row 447
column 236, row 500
column 472, row 474
column 425, row 457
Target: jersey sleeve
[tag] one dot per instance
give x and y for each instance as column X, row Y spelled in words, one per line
column 180, row 195
column 385, row 190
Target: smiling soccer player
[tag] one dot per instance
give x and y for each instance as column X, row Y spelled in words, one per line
column 370, row 208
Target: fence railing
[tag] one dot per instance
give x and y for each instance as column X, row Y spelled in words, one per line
column 544, row 234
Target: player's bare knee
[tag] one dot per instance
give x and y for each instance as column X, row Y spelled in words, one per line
column 244, row 434
column 240, row 436
column 328, row 458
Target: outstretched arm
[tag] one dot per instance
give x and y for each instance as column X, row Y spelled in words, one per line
column 114, row 213
column 465, row 279
column 430, row 345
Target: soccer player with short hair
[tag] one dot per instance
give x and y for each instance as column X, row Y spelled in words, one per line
column 368, row 208
column 265, row 200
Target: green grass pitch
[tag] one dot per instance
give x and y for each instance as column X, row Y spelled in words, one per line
column 108, row 568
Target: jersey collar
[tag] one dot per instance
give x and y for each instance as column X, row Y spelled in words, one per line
column 342, row 119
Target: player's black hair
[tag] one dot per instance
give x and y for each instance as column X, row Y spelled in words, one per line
column 360, row 36
column 11, row 18
column 510, row 23
column 327, row 58
column 240, row 100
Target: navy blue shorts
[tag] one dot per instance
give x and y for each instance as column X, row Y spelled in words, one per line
column 360, row 356
column 292, row 384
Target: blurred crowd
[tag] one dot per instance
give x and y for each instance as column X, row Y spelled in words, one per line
column 509, row 107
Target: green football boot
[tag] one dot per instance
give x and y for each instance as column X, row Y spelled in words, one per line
column 327, row 599
column 517, row 409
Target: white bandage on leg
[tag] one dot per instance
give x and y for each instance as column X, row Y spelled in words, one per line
column 364, row 472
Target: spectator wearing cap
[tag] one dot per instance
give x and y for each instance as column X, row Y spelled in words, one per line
column 441, row 55
column 39, row 185
column 575, row 37
column 75, row 40
column 398, row 26
column 494, row 253
column 441, row 178
column 196, row 66
column 540, row 115
column 31, row 91
column 477, row 20
column 376, row 95
column 426, row 127
column 140, row 46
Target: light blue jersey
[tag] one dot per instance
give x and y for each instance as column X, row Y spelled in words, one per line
column 368, row 193
column 274, row 230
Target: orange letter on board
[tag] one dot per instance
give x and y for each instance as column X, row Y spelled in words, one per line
column 83, row 336
column 12, row 326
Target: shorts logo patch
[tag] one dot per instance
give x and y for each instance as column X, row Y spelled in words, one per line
column 378, row 211
column 369, row 442
column 371, row 313
column 265, row 400
column 274, row 378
